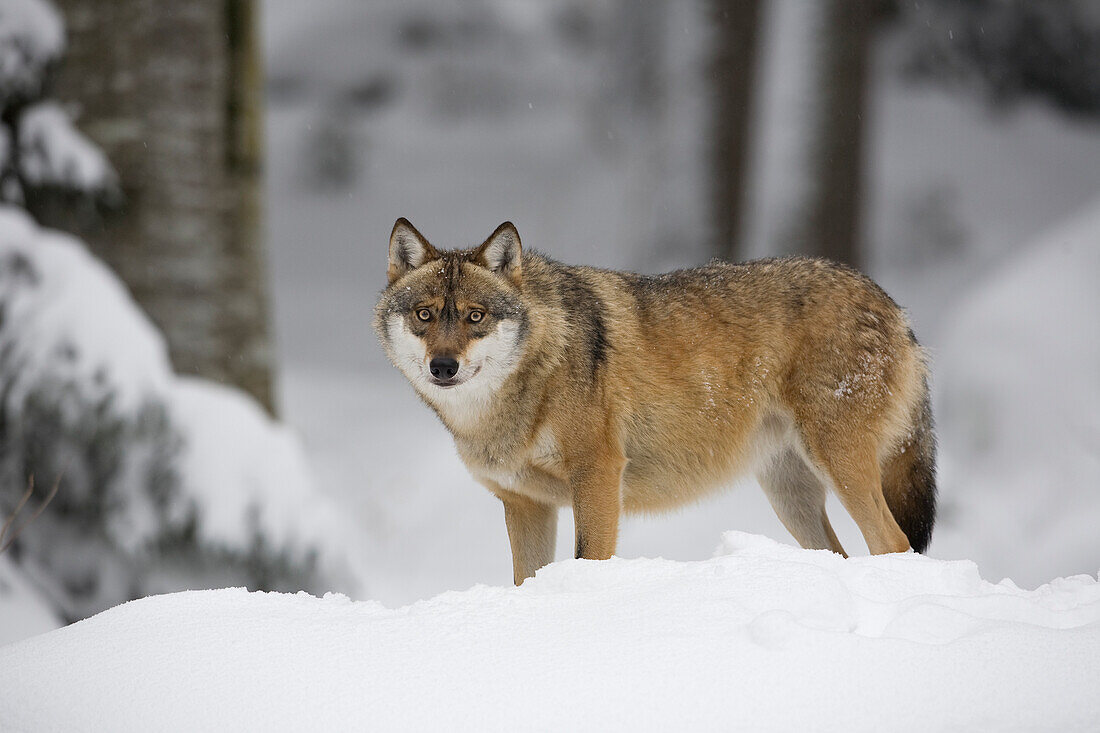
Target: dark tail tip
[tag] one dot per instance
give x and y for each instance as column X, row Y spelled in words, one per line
column 919, row 516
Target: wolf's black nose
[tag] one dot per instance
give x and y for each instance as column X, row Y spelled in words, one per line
column 443, row 367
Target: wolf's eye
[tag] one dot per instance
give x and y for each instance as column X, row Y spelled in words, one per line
column 424, row 314
column 476, row 316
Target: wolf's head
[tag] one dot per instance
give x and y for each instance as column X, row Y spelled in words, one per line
column 453, row 321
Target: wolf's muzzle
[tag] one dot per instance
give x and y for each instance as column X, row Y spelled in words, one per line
column 443, row 367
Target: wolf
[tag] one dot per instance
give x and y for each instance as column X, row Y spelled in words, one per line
column 612, row 392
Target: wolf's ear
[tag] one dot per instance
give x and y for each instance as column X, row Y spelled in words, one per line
column 502, row 252
column 408, row 249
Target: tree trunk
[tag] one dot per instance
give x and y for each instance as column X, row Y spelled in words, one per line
column 638, row 59
column 732, row 70
column 831, row 221
column 172, row 94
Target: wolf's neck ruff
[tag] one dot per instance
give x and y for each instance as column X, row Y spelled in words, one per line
column 607, row 391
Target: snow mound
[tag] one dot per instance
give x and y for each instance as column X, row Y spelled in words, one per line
column 762, row 636
column 1019, row 409
column 249, row 473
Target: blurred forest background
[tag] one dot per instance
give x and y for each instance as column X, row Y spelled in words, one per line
column 195, row 200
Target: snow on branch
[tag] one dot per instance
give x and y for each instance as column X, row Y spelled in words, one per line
column 169, row 482
column 32, row 38
column 42, row 154
column 52, row 152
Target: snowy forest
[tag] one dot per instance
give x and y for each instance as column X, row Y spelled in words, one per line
column 195, row 205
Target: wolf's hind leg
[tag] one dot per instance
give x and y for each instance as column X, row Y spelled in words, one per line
column 532, row 532
column 798, row 497
column 857, row 479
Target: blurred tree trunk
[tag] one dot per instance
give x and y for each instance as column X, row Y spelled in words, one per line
column 171, row 91
column 831, row 213
column 736, row 24
column 638, row 57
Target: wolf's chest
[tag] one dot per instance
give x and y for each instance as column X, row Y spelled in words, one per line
column 535, row 469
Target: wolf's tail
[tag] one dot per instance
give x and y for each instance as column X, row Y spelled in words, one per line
column 909, row 478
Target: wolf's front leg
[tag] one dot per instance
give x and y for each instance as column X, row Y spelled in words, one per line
column 597, row 503
column 532, row 531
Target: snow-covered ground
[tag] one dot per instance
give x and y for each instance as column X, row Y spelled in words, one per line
column 365, row 125
column 761, row 637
